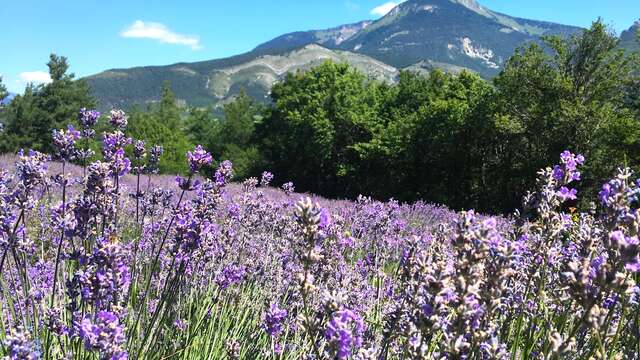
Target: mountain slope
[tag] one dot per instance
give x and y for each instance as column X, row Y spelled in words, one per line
column 417, row 35
column 456, row 32
column 329, row 38
column 7, row 99
column 216, row 82
column 629, row 39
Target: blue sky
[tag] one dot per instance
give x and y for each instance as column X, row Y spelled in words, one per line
column 98, row 35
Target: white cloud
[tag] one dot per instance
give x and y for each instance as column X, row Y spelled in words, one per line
column 352, row 6
column 384, row 9
column 35, row 77
column 157, row 31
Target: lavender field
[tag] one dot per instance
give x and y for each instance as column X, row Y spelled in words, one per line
column 107, row 260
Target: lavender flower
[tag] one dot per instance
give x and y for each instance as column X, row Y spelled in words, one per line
column 64, row 142
column 88, row 118
column 198, row 158
column 266, row 179
column 224, row 173
column 344, row 333
column 118, row 119
column 104, row 335
column 288, row 188
column 154, row 159
column 20, row 346
column 273, row 320
column 230, row 275
column 139, row 150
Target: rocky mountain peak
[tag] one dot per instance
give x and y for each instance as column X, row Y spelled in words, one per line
column 431, row 6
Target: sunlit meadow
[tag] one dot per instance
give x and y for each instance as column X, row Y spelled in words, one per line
column 107, row 260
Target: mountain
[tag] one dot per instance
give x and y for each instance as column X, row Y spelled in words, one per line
column 457, row 32
column 417, row 35
column 330, row 38
column 216, row 82
column 7, row 99
column 629, row 39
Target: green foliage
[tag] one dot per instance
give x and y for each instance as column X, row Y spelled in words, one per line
column 574, row 94
column 163, row 126
column 232, row 137
column 31, row 117
column 202, row 127
column 3, row 90
column 455, row 139
column 168, row 111
column 316, row 118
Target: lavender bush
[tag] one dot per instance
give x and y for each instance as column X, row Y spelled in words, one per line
column 105, row 260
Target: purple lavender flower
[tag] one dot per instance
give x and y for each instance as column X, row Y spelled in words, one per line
column 565, row 194
column 112, row 142
column 230, row 275
column 120, row 165
column 104, row 277
column 187, row 184
column 139, row 150
column 266, row 179
column 224, row 173
column 198, row 158
column 558, row 173
column 105, row 335
column 118, row 119
column 31, row 169
column 273, row 320
column 19, row 346
column 344, row 333
column 154, row 159
column 180, row 324
column 288, row 188
column 65, row 142
column 88, row 118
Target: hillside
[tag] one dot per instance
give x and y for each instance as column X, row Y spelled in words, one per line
column 8, row 99
column 330, row 38
column 417, row 35
column 629, row 39
column 201, row 84
column 460, row 33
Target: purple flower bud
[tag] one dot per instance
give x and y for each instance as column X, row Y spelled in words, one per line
column 344, row 333
column 198, row 158
column 266, row 179
column 273, row 320
column 88, row 118
column 20, row 346
column 64, row 143
column 565, row 194
column 118, row 119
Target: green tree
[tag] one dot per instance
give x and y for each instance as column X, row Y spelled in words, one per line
column 233, row 137
column 202, row 127
column 3, row 90
column 168, row 111
column 3, row 95
column 317, row 118
column 571, row 94
column 31, row 117
column 433, row 142
column 151, row 128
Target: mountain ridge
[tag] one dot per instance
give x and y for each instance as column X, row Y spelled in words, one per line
column 201, row 86
column 417, row 35
column 630, row 38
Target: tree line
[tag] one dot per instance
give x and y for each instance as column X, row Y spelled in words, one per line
column 454, row 139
